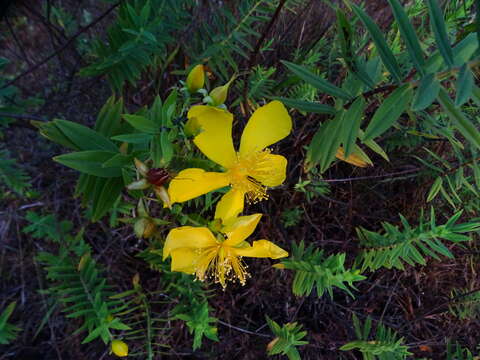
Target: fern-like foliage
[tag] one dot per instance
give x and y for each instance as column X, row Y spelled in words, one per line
column 385, row 344
column 287, row 338
column 411, row 244
column 465, row 304
column 78, row 284
column 230, row 34
column 12, row 176
column 192, row 300
column 8, row 332
column 315, row 270
column 145, row 323
column 140, row 34
column 197, row 317
column 46, row 227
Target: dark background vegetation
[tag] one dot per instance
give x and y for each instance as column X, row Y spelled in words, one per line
column 45, row 59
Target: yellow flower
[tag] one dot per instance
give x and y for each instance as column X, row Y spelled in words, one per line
column 195, row 79
column 249, row 171
column 195, row 250
column 119, row 348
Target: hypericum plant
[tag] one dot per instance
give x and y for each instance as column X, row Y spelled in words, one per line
column 394, row 247
column 314, row 270
column 410, row 86
column 385, row 344
column 287, row 338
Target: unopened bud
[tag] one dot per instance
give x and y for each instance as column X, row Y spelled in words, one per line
column 272, row 343
column 141, row 167
column 82, row 262
column 119, row 348
column 192, row 127
column 219, row 94
column 162, row 194
column 141, row 184
column 144, row 228
column 195, row 79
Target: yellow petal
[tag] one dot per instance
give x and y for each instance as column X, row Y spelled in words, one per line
column 271, row 170
column 230, row 205
column 240, row 229
column 268, row 124
column 188, row 237
column 215, row 137
column 184, row 260
column 262, row 249
column 191, row 183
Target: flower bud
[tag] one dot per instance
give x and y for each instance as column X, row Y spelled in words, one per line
column 195, row 79
column 144, row 228
column 219, row 94
column 141, row 184
column 141, row 167
column 162, row 194
column 119, row 348
column 192, row 127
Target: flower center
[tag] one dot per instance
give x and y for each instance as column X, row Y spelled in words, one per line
column 221, row 264
column 244, row 174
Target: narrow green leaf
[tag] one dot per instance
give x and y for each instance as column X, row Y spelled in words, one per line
column 409, row 36
column 426, row 93
column 317, row 81
column 388, row 113
column 435, row 189
column 89, row 162
column 141, row 123
column 464, row 86
column 108, row 120
column 440, row 31
column 351, row 124
column 309, row 107
column 139, row 138
column 84, row 137
column 459, row 119
column 383, row 49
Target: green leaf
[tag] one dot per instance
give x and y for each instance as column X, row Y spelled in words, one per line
column 435, row 189
column 464, row 85
column 383, row 49
column 89, row 162
column 138, row 138
column 388, row 113
column 440, row 31
column 426, row 93
column 107, row 192
column 459, row 119
column 409, row 36
column 351, row 124
column 317, row 81
column 108, row 120
column 325, row 143
column 308, row 106
column 83, row 137
column 142, row 124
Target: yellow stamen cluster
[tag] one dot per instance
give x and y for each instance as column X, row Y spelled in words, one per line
column 221, row 264
column 244, row 173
